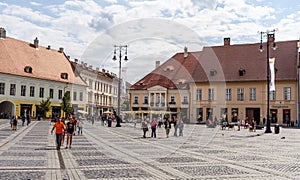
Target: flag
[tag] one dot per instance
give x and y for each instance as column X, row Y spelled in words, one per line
column 272, row 70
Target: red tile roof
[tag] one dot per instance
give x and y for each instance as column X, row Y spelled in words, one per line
column 222, row 63
column 46, row 64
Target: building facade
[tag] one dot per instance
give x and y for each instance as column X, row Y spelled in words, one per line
column 223, row 82
column 101, row 91
column 30, row 73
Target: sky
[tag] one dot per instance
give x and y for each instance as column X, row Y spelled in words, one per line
column 153, row 30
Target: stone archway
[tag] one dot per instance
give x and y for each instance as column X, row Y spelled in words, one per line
column 7, row 109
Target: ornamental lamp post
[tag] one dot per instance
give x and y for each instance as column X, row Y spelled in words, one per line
column 120, row 49
column 270, row 39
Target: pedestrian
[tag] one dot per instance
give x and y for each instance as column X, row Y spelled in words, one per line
column 59, row 128
column 159, row 122
column 15, row 123
column 70, row 129
column 167, row 126
column 80, row 126
column 153, row 127
column 28, row 118
column 23, row 120
column 239, row 124
column 11, row 122
column 180, row 126
column 175, row 125
column 144, row 127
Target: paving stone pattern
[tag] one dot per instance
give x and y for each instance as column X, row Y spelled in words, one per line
column 122, row 153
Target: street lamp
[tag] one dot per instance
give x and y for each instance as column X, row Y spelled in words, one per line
column 270, row 39
column 119, row 48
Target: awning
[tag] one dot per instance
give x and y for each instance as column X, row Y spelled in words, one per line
column 82, row 112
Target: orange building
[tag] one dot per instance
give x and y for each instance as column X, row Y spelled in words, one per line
column 228, row 82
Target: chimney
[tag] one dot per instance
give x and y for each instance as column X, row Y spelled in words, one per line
column 76, row 60
column 97, row 69
column 186, row 53
column 61, row 50
column 227, row 41
column 157, row 64
column 2, row 33
column 36, row 43
column 49, row 47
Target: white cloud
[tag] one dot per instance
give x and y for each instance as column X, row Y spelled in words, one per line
column 26, row 13
column 154, row 30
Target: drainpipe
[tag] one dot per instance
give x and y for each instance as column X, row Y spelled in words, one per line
column 298, row 79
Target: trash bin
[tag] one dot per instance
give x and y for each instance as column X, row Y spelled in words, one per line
column 276, row 128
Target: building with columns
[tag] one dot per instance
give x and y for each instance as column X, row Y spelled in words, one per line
column 223, row 82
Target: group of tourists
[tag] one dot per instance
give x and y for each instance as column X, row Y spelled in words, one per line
column 14, row 121
column 167, row 123
column 69, row 129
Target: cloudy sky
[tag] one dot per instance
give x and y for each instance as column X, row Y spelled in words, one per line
column 154, row 30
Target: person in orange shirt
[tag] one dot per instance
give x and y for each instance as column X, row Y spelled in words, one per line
column 59, row 128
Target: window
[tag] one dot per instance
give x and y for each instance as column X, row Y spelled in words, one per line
column 252, row 94
column 211, row 94
column 64, row 75
column 240, row 94
column 287, row 93
column 199, row 94
column 23, row 90
column 2, row 88
column 81, row 96
column 91, row 84
column 228, row 94
column 41, row 92
column 146, row 99
column 185, row 99
column 74, row 96
column 51, row 93
column 12, row 91
column 136, row 100
column 31, row 93
column 172, row 99
column 60, row 94
column 272, row 95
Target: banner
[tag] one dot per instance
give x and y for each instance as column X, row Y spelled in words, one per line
column 272, row 71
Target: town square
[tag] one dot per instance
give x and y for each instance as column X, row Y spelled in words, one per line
column 149, row 89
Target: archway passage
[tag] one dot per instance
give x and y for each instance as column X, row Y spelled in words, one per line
column 7, row 109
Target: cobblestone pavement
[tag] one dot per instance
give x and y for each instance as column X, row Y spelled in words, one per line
column 121, row 153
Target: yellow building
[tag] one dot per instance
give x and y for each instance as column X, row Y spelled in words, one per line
column 223, row 82
column 30, row 73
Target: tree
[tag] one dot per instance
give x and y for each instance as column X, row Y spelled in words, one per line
column 66, row 103
column 45, row 106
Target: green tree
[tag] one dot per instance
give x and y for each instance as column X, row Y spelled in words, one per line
column 45, row 106
column 66, row 104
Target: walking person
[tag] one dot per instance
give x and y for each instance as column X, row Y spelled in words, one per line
column 167, row 124
column 153, row 127
column 70, row 129
column 180, row 127
column 15, row 123
column 80, row 126
column 28, row 118
column 59, row 127
column 23, row 120
column 175, row 125
column 11, row 122
column 144, row 127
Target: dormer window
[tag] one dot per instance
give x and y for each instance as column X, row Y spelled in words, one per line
column 64, row 75
column 213, row 72
column 242, row 72
column 28, row 69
